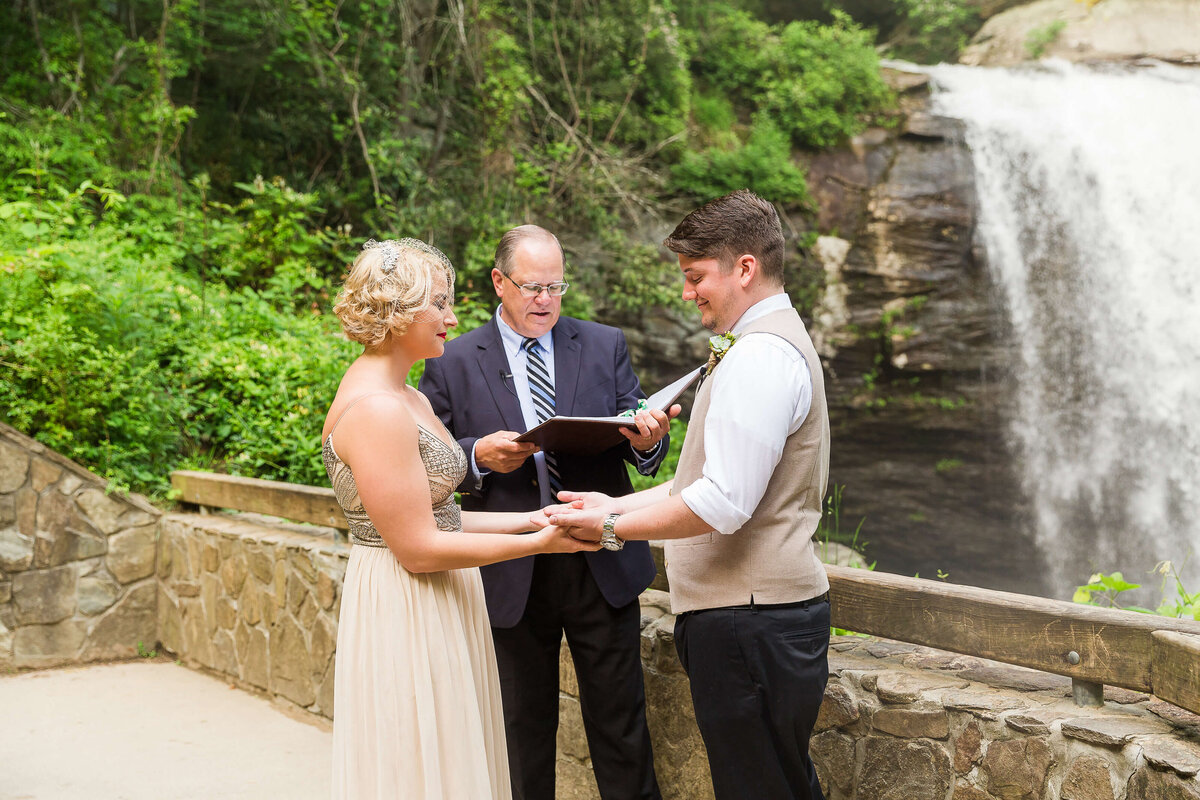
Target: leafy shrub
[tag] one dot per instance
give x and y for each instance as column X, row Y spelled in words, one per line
column 825, row 83
column 763, row 164
column 117, row 360
column 819, row 83
column 933, row 30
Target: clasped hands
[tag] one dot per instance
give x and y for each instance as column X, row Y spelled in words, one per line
column 581, row 514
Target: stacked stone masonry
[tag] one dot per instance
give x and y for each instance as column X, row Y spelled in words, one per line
column 76, row 562
column 256, row 602
column 906, row 723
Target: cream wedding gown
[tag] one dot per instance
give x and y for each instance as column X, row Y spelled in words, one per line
column 417, row 711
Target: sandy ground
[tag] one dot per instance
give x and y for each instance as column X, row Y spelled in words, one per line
column 152, row 730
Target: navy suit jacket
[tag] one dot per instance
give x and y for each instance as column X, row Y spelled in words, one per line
column 471, row 391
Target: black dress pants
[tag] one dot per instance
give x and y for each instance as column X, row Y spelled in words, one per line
column 757, row 677
column 605, row 645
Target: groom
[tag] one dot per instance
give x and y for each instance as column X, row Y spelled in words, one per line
column 750, row 594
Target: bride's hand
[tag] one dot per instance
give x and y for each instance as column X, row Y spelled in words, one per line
column 559, row 540
column 541, row 518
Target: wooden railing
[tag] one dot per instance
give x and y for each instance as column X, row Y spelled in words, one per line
column 292, row 501
column 1092, row 646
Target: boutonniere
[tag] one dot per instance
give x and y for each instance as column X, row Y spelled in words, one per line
column 718, row 346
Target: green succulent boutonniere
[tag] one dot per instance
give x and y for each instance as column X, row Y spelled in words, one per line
column 718, row 346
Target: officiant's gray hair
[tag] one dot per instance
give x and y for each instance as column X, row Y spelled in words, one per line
column 740, row 222
column 513, row 238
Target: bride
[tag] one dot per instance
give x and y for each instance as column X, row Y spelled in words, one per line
column 417, row 710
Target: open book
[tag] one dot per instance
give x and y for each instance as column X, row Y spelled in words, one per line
column 596, row 434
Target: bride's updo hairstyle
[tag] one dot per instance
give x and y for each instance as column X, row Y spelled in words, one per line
column 388, row 285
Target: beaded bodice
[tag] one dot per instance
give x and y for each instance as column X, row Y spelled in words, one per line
column 445, row 465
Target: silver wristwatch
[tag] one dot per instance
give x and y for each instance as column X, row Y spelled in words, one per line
column 608, row 536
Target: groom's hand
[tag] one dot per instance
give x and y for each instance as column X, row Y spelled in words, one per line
column 586, row 525
column 584, row 500
column 499, row 453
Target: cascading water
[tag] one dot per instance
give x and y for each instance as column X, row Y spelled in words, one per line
column 1089, row 194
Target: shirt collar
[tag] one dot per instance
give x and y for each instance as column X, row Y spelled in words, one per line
column 513, row 341
column 776, row 302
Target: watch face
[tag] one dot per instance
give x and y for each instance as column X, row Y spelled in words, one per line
column 612, row 544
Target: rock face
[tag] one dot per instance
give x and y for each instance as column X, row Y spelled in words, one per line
column 915, row 354
column 1111, row 30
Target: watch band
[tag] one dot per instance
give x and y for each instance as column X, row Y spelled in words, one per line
column 608, row 534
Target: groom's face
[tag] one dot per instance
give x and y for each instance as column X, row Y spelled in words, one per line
column 717, row 294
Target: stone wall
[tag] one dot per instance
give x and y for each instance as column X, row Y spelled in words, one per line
column 257, row 602
column 254, row 601
column 76, row 563
column 907, row 723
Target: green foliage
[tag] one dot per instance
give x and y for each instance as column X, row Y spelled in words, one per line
column 933, row 30
column 1176, row 601
column 670, row 462
column 182, row 185
column 830, row 528
column 763, row 164
column 818, row 83
column 1038, row 39
column 638, row 276
column 117, row 359
column 945, row 466
column 830, row 531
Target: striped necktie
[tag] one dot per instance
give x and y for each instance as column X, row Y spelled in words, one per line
column 542, row 391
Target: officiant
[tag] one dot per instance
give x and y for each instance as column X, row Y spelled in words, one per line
column 529, row 363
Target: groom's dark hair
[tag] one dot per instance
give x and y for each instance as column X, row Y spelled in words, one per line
column 738, row 223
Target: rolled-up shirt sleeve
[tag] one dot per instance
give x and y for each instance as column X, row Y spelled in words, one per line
column 761, row 394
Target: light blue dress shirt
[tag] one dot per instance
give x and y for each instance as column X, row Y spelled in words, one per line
column 518, row 367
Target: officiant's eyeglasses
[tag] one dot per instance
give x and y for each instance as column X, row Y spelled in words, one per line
column 530, row 290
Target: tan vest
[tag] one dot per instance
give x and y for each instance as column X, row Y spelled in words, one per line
column 770, row 559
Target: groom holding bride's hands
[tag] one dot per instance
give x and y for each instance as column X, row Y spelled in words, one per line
column 750, row 594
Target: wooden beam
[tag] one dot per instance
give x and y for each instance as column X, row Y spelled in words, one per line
column 313, row 504
column 1114, row 647
column 1175, row 669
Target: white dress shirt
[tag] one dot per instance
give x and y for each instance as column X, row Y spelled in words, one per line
column 760, row 395
column 518, row 365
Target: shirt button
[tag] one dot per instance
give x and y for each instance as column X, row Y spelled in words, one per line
column 534, row 482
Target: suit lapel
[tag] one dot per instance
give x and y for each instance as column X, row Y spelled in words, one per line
column 566, row 366
column 493, row 364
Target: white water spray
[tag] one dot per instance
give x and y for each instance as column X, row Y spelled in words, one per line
column 1089, row 193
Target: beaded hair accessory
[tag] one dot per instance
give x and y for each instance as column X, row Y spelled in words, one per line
column 390, row 250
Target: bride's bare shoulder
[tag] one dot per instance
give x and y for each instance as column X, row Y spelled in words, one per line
column 378, row 414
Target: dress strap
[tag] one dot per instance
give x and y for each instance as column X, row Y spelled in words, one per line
column 353, row 403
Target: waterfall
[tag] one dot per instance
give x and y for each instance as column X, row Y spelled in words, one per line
column 1089, row 194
